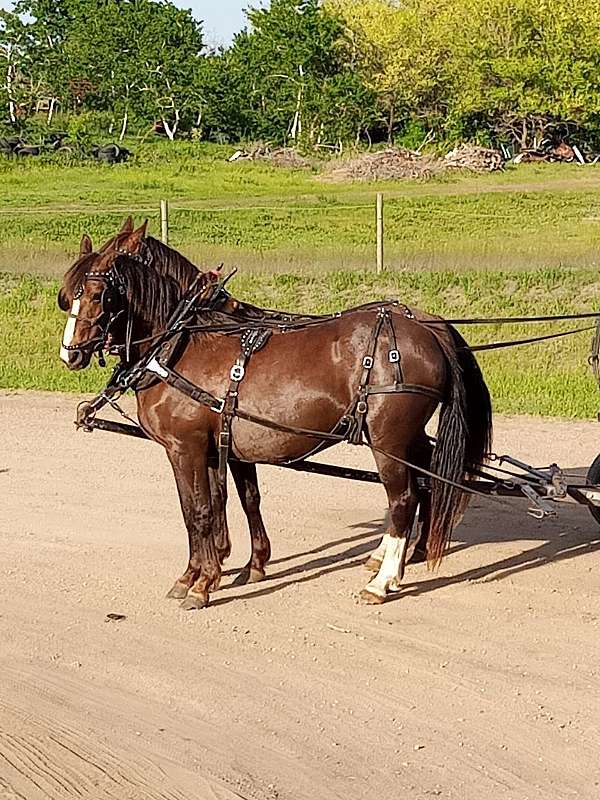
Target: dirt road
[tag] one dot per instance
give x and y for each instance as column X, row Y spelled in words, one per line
column 481, row 681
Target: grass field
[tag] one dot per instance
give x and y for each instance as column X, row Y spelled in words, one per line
column 524, row 241
column 265, row 218
column 551, row 378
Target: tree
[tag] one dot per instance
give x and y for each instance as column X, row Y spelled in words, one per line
column 117, row 55
column 13, row 55
column 288, row 78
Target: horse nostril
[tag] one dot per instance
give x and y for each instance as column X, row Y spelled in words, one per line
column 75, row 358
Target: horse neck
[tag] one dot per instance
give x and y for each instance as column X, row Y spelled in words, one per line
column 243, row 310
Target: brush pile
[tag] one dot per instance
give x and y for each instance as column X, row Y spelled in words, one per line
column 395, row 162
column 474, row 158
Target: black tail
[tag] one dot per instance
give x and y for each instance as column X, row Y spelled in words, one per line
column 464, row 439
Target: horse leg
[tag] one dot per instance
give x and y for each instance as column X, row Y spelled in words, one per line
column 373, row 562
column 417, row 551
column 420, row 455
column 221, row 530
column 400, row 486
column 246, row 481
column 203, row 571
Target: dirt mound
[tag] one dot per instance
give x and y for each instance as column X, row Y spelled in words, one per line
column 395, row 162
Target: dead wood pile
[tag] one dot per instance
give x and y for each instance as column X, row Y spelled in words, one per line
column 474, row 158
column 395, row 162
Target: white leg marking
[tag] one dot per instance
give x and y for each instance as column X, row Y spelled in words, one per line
column 388, row 576
column 379, row 553
column 70, row 330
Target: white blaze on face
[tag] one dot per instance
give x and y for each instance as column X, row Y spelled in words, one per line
column 69, row 330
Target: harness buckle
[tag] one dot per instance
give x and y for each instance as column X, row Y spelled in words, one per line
column 237, row 372
column 224, row 438
column 367, row 362
column 394, row 356
column 361, row 407
column 218, row 406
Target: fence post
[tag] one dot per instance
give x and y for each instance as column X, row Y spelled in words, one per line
column 164, row 221
column 379, row 232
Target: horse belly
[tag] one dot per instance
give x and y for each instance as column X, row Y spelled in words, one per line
column 255, row 442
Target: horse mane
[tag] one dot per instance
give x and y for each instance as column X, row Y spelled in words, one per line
column 170, row 263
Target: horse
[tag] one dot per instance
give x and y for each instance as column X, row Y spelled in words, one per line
column 145, row 247
column 287, row 399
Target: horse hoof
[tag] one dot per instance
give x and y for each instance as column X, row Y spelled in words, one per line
column 194, row 602
column 249, row 575
column 418, row 557
column 177, row 592
column 242, row 578
column 372, row 564
column 370, row 598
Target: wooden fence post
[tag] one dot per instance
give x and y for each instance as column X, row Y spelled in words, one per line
column 164, row 221
column 379, row 232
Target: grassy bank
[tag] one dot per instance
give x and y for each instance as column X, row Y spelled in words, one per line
column 266, row 218
column 551, row 378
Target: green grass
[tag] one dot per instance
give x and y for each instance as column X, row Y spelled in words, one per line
column 265, row 218
column 551, row 378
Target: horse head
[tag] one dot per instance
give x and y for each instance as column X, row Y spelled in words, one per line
column 95, row 295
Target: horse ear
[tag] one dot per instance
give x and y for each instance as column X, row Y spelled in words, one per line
column 127, row 225
column 85, row 246
column 133, row 242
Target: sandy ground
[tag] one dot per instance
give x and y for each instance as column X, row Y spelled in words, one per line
column 481, row 681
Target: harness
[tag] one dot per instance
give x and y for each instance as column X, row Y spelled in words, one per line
column 351, row 425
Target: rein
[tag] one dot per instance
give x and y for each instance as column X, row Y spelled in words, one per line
column 274, row 320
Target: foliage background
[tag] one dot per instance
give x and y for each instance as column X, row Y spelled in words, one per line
column 320, row 74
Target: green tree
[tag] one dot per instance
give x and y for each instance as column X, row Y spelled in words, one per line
column 288, row 78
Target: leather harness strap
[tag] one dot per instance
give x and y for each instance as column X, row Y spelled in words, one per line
column 350, row 426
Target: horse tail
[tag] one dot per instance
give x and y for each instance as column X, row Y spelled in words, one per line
column 464, row 439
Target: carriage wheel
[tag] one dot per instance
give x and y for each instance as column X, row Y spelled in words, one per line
column 593, row 477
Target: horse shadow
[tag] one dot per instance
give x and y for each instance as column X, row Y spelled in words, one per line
column 572, row 533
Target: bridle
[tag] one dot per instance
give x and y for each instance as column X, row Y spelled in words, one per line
column 111, row 308
column 112, row 305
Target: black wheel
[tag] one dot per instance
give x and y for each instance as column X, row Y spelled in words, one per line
column 593, row 477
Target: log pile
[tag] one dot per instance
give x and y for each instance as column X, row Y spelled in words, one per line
column 474, row 158
column 390, row 164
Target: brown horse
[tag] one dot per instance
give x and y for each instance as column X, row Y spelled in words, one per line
column 306, row 378
column 178, row 268
column 245, row 477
